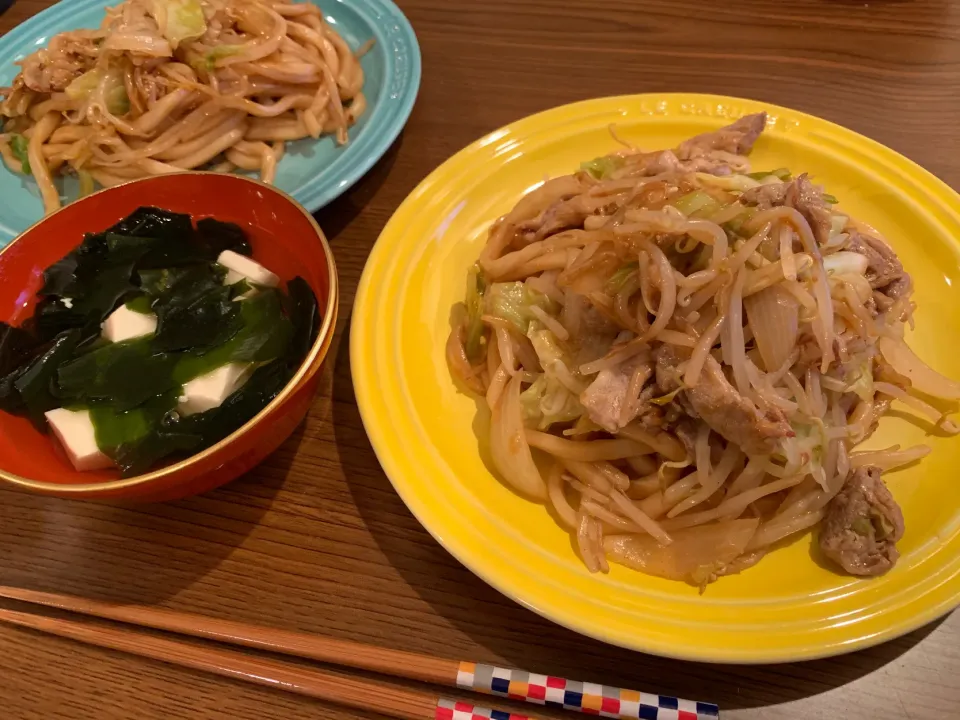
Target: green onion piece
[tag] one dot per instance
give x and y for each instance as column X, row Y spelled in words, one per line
column 19, row 144
column 827, row 197
column 665, row 399
column 780, row 173
column 602, row 167
column 476, row 286
column 735, row 225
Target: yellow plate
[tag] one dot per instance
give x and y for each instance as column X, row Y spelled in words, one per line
column 426, row 433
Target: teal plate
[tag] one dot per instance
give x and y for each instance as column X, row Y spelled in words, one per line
column 314, row 172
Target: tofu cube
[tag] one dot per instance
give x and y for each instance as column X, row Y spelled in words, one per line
column 209, row 391
column 233, row 277
column 125, row 324
column 239, row 267
column 74, row 430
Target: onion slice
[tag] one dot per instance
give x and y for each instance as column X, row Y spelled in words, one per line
column 773, row 315
column 509, row 447
column 694, row 555
column 922, row 377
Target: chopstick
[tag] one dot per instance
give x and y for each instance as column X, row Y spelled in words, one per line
column 514, row 684
column 350, row 692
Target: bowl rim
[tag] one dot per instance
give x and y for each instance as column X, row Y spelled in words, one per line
column 308, row 367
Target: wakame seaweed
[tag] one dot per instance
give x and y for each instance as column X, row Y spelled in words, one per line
column 36, row 384
column 195, row 311
column 265, row 333
column 216, row 236
column 304, row 314
column 159, row 262
column 154, row 223
column 122, row 375
column 195, row 432
column 16, row 345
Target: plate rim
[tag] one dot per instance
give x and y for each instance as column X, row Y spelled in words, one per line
column 366, row 389
column 394, row 108
column 403, row 71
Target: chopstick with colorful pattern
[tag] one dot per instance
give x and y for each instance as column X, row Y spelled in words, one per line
column 457, row 710
column 545, row 690
column 590, row 698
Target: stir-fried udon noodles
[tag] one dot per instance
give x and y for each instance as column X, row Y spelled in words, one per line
column 170, row 85
column 693, row 351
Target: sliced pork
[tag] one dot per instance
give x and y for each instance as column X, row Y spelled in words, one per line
column 800, row 194
column 884, row 270
column 605, row 398
column 862, row 525
column 757, row 431
column 562, row 215
column 808, row 201
column 737, row 138
column 666, row 162
column 67, row 57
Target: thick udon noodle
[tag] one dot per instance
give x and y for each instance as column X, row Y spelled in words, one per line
column 606, row 298
column 170, row 85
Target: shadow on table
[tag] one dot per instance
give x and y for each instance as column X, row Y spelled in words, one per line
column 517, row 637
column 336, row 216
column 134, row 553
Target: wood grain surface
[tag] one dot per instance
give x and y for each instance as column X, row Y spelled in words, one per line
column 315, row 539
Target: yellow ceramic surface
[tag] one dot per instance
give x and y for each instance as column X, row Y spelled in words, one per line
column 426, row 433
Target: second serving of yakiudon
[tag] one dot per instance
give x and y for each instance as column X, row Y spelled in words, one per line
column 693, row 352
column 165, row 86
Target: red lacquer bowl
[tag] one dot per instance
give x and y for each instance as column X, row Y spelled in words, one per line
column 285, row 238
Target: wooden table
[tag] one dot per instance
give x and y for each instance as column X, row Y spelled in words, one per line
column 316, row 539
